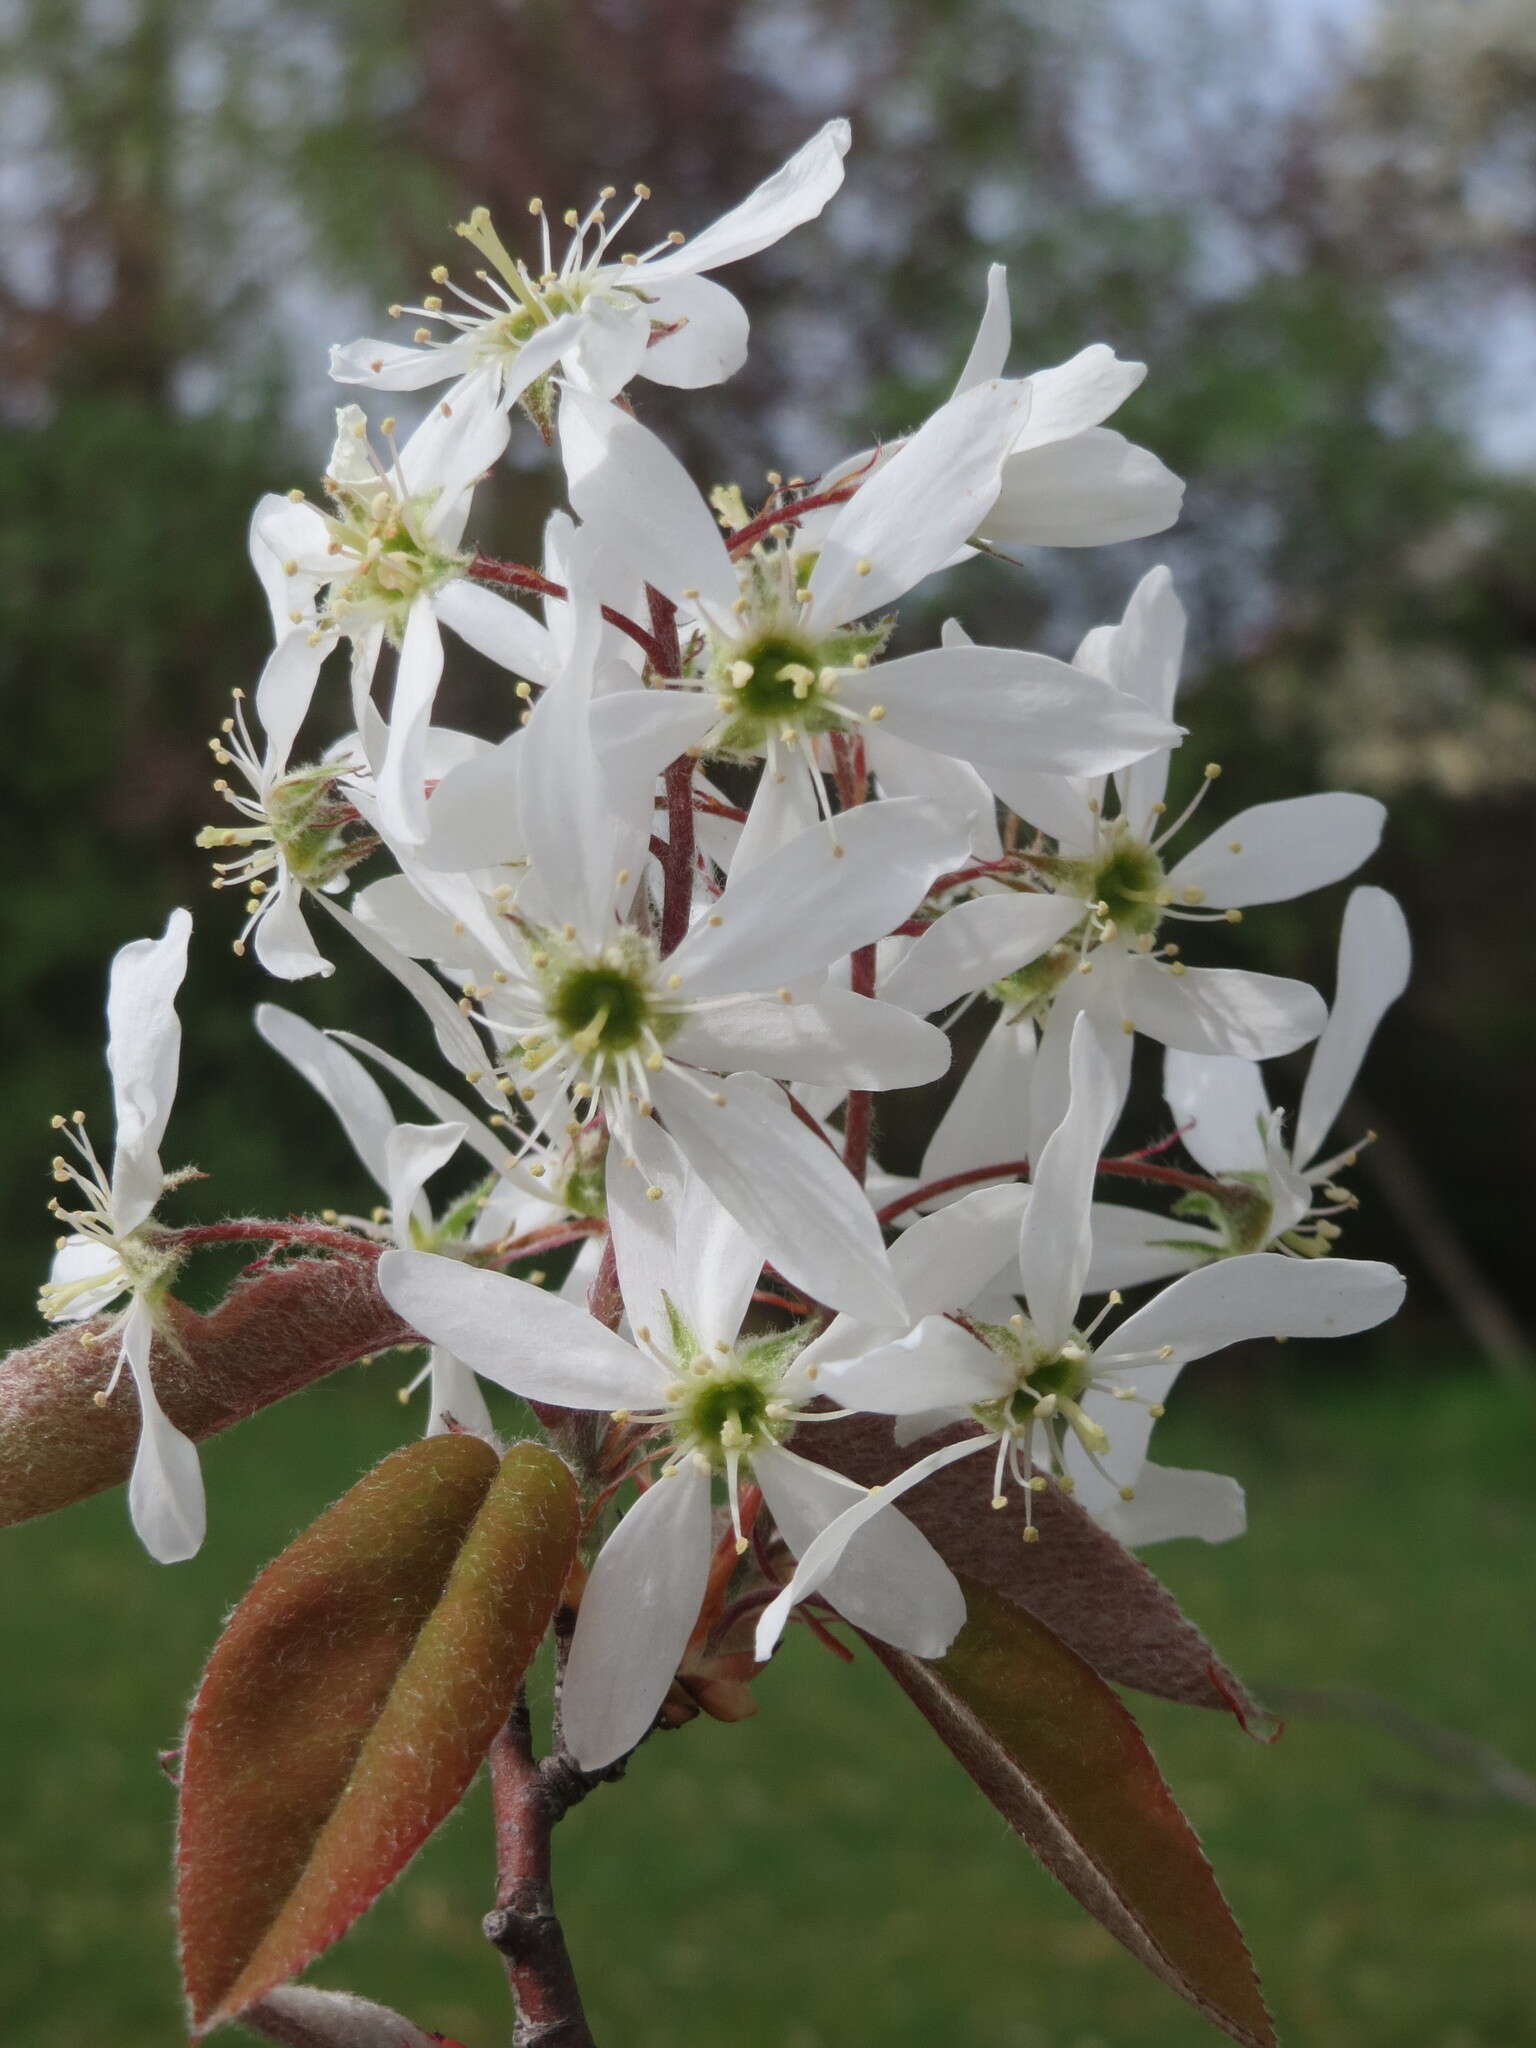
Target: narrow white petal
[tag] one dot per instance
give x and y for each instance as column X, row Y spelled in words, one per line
column 1263, row 1294
column 936, row 1365
column 165, row 1488
column 1143, row 656
column 1374, row 960
column 1055, row 1240
column 902, row 769
column 456, row 1399
column 909, row 517
column 624, row 480
column 391, row 366
column 284, row 691
column 418, row 671
column 499, row 629
column 1274, row 852
column 889, row 1579
column 822, row 1554
column 282, row 940
column 987, row 1120
column 412, row 1154
column 1074, row 395
column 710, row 343
column 1133, row 1246
column 474, row 816
column 528, row 1341
column 944, row 1261
column 347, row 1087
column 1171, row 1502
column 839, row 1040
column 790, row 1193
column 989, row 351
column 795, row 193
column 459, row 439
column 828, row 891
column 1221, row 1109
column 977, row 943
column 143, row 1057
column 447, row 1109
column 1085, row 492
column 1223, row 1010
column 455, row 1036
column 608, row 347
column 638, row 1609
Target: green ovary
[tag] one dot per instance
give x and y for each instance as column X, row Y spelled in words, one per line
column 727, row 1409
column 1128, row 880
column 604, row 1005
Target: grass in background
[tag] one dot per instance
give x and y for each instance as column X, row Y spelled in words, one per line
column 825, row 1875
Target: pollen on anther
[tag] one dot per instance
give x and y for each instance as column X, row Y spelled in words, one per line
column 653, row 1194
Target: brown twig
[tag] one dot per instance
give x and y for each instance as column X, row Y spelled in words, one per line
column 1129, row 1168
column 515, row 576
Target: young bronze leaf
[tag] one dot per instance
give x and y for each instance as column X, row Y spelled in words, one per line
column 351, row 1698
column 1086, row 1587
column 1059, row 1757
column 273, row 1333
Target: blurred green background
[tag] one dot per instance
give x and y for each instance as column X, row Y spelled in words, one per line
column 1317, row 224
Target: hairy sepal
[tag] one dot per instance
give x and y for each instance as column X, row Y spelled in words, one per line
column 1058, row 1755
column 350, row 1700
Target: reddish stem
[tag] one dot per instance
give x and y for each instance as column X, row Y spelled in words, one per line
column 515, row 576
column 251, row 1231
column 1131, row 1168
column 858, row 1117
column 749, row 535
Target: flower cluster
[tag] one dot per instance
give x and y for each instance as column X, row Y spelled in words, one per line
column 737, row 849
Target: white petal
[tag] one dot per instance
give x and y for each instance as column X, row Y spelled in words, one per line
column 820, row 1556
column 1171, row 1502
column 448, row 1110
column 458, row 440
column 682, row 1245
column 455, row 1036
column 1263, row 1294
column 165, row 1488
column 909, row 517
column 953, row 786
column 638, row 1609
column 282, row 941
column 781, row 809
column 412, row 1154
column 977, row 943
column 499, row 629
column 84, row 1258
column 1143, row 656
column 284, row 691
column 402, row 798
column 795, row 193
column 473, row 816
column 281, row 533
column 1084, row 492
column 350, row 1090
column 528, row 1341
column 787, row 1189
column 608, row 347
column 708, row 347
column 936, row 1365
column 988, row 1118
column 840, row 1040
column 943, row 1261
column 1222, row 1010
column 1055, row 1240
column 1374, row 960
column 1274, row 852
column 1076, row 394
column 889, row 1579
column 989, row 351
column 1221, row 1109
column 623, row 479
column 1133, row 1246
column 456, row 1398
column 1009, row 714
column 143, row 1057
column 390, row 366
column 809, row 903
column 638, row 733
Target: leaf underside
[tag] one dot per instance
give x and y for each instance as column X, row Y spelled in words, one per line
column 351, row 1698
column 1061, row 1759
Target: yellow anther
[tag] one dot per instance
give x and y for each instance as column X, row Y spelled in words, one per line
column 1031, row 1534
column 653, row 1194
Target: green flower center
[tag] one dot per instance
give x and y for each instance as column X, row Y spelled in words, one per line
column 727, row 1409
column 607, row 1008
column 1129, row 882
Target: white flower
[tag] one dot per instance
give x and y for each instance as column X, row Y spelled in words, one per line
column 1227, row 1125
column 599, row 318
column 712, row 1405
column 1093, row 936
column 109, row 1253
column 1047, row 1395
column 782, row 632
column 386, row 563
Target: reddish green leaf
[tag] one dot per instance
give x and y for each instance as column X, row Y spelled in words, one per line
column 351, row 1698
column 1086, row 1587
column 273, row 1333
column 1059, row 1757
